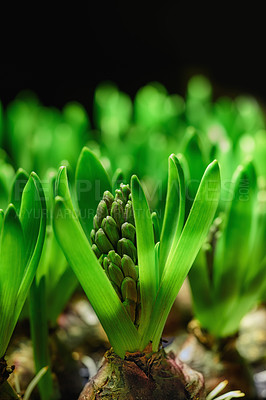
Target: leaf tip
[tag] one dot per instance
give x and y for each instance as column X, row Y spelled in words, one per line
column 22, row 172
column 214, row 166
column 134, row 183
column 11, row 213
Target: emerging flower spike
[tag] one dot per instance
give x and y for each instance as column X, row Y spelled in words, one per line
column 112, row 249
column 113, row 240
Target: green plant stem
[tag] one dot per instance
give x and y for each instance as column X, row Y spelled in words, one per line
column 7, row 392
column 40, row 339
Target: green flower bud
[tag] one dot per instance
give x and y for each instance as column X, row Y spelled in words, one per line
column 111, row 230
column 92, row 236
column 115, row 273
column 102, row 242
column 129, row 215
column 102, row 211
column 114, row 243
column 108, row 198
column 126, row 191
column 129, row 268
column 125, row 246
column 117, row 212
column 129, row 232
column 96, row 250
column 119, row 195
column 114, row 258
column 106, row 266
column 96, row 224
column 129, row 290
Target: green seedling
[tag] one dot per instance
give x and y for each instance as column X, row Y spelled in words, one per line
column 21, row 240
column 38, row 306
column 51, row 289
column 228, row 278
column 162, row 266
column 60, row 281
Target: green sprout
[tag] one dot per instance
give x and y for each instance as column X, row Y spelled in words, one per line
column 22, row 233
column 60, row 281
column 52, row 288
column 228, row 278
column 162, row 267
column 53, row 284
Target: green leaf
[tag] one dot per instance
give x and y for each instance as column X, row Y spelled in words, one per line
column 91, row 182
column 174, row 210
column 18, row 185
column 201, row 289
column 60, row 295
column 148, row 275
column 156, row 227
column 183, row 255
column 234, row 248
column 30, row 215
column 1, row 219
column 12, row 263
column 40, row 337
column 34, row 252
column 62, row 188
column 3, row 193
column 119, row 328
column 157, row 255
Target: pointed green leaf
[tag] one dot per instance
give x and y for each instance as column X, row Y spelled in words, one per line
column 19, row 182
column 30, row 215
column 181, row 258
column 104, row 300
column 174, row 210
column 201, row 289
column 39, row 335
column 12, row 263
column 91, row 182
column 62, row 188
column 3, row 193
column 12, row 251
column 157, row 255
column 36, row 250
column 1, row 219
column 148, row 275
column 234, row 247
column 60, row 295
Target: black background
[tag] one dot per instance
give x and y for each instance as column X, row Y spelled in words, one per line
column 62, row 52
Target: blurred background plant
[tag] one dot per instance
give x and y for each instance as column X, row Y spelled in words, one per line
column 137, row 135
column 227, row 281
